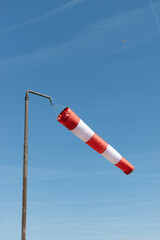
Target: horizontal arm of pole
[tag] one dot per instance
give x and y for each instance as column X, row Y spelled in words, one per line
column 39, row 94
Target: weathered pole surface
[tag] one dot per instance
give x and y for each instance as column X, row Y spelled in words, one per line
column 25, row 161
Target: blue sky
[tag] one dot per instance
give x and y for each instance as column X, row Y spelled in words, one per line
column 75, row 52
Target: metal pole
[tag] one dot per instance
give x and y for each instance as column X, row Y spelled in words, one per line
column 25, row 161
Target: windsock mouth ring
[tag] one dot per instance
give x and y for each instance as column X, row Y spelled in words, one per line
column 68, row 118
column 62, row 115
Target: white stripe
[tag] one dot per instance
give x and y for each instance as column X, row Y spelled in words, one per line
column 83, row 131
column 112, row 155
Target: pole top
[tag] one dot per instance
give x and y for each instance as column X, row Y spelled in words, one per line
column 39, row 94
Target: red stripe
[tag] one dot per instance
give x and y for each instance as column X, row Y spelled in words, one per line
column 68, row 118
column 125, row 166
column 97, row 143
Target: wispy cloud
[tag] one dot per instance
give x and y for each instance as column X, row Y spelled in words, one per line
column 9, row 174
column 147, row 156
column 111, row 222
column 43, row 17
column 41, row 174
column 98, row 40
column 116, row 203
column 99, row 227
column 146, row 178
column 155, row 14
column 12, row 174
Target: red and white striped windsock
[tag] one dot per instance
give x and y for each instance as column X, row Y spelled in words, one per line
column 71, row 121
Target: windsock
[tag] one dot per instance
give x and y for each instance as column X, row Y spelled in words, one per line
column 71, row 121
